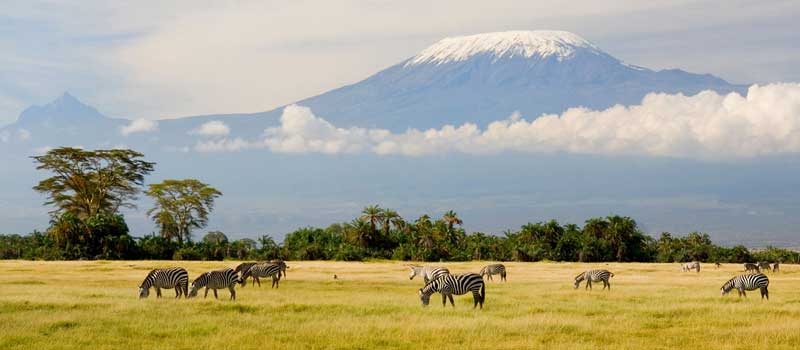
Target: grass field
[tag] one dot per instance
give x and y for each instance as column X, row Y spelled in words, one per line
column 94, row 305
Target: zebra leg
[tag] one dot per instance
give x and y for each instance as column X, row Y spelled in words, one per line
column 215, row 294
column 158, row 292
column 185, row 291
column 589, row 284
column 450, row 296
column 764, row 293
column 275, row 281
column 256, row 279
column 490, row 277
column 503, row 277
column 233, row 292
column 177, row 291
column 444, row 300
column 206, row 295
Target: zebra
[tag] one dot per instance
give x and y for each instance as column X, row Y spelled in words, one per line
column 448, row 285
column 218, row 279
column 493, row 270
column 751, row 267
column 694, row 265
column 428, row 273
column 763, row 265
column 717, row 265
column 264, row 270
column 596, row 276
column 776, row 267
column 747, row 282
column 280, row 263
column 175, row 277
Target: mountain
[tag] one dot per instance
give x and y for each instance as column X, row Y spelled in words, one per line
column 486, row 77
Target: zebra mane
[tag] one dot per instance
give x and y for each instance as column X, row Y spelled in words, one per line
column 149, row 275
column 581, row 275
column 204, row 274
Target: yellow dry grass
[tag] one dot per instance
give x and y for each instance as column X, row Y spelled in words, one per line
column 373, row 305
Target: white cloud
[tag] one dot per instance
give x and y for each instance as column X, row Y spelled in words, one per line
column 704, row 126
column 212, row 128
column 23, row 134
column 139, row 125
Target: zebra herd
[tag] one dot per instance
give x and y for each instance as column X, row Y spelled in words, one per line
column 436, row 279
column 178, row 278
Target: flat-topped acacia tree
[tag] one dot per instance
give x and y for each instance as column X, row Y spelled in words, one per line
column 180, row 206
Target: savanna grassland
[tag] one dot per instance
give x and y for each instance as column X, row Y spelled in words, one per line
column 94, row 305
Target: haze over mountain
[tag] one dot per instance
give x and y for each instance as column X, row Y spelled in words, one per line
column 477, row 79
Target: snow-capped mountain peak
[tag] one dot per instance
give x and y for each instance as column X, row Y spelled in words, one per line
column 528, row 44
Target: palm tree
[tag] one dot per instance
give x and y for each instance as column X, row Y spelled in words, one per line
column 389, row 217
column 451, row 218
column 373, row 214
column 360, row 231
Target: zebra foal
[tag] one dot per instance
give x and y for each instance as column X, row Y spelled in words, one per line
column 448, row 285
column 175, row 277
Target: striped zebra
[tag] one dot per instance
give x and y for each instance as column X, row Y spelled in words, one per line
column 776, row 267
column 763, row 265
column 428, row 273
column 694, row 265
column 751, row 267
column 448, row 285
column 175, row 277
column 242, row 268
column 594, row 276
column 219, row 279
column 280, row 263
column 264, row 270
column 494, row 270
column 747, row 282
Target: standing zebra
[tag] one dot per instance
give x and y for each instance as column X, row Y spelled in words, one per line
column 763, row 265
column 428, row 273
column 694, row 265
column 776, row 267
column 264, row 270
column 747, row 282
column 494, row 270
column 219, row 279
column 175, row 277
column 717, row 265
column 448, row 285
column 594, row 276
column 280, row 263
column 751, row 267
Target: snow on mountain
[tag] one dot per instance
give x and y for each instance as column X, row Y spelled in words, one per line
column 528, row 44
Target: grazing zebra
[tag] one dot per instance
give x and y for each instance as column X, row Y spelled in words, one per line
column 428, row 273
column 694, row 265
column 776, row 267
column 763, row 265
column 219, row 279
column 448, row 285
column 264, row 270
column 751, row 267
column 494, row 270
column 747, row 282
column 175, row 277
column 594, row 276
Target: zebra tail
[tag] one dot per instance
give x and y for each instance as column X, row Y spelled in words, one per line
column 612, row 274
column 483, row 293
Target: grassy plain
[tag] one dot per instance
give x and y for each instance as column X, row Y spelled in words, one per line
column 373, row 305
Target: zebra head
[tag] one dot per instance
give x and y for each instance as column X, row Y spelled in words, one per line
column 413, row 272
column 578, row 279
column 193, row 291
column 143, row 292
column 424, row 298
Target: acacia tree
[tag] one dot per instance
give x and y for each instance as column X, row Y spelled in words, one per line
column 180, row 206
column 87, row 183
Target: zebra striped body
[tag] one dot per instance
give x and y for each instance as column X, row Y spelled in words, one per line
column 175, row 277
column 743, row 283
column 219, row 279
column 594, row 276
column 448, row 285
column 694, row 265
column 763, row 265
column 751, row 267
column 264, row 270
column 428, row 273
column 494, row 270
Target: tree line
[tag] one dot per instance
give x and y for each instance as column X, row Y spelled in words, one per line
column 87, row 189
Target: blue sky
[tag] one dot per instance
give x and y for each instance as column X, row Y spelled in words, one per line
column 156, row 60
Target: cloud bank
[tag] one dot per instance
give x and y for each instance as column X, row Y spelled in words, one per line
column 139, row 125
column 704, row 126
